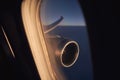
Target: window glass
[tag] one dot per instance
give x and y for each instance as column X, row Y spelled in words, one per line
column 72, row 26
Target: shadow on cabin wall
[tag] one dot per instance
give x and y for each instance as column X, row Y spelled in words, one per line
column 101, row 20
column 22, row 67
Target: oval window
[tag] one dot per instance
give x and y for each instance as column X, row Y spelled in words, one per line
column 63, row 22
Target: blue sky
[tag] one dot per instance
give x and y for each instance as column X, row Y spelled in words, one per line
column 69, row 9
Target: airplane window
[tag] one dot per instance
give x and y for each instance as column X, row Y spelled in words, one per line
column 66, row 36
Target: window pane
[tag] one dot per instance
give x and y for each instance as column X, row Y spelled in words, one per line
column 73, row 27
